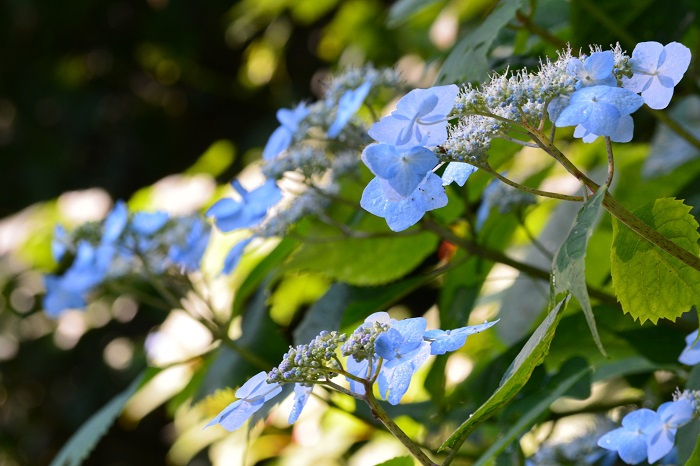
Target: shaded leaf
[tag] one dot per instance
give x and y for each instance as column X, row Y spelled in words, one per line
column 649, row 283
column 86, row 438
column 569, row 265
column 468, row 59
column 516, row 376
column 325, row 314
column 404, row 9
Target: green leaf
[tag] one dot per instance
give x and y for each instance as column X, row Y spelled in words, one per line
column 516, row 376
column 86, row 438
column 468, row 60
column 404, row 9
column 649, row 283
column 569, row 266
column 528, row 418
column 398, row 461
column 365, row 261
column 325, row 314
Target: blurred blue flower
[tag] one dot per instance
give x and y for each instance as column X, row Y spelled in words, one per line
column 148, row 223
column 657, row 69
column 442, row 341
column 230, row 214
column 188, row 255
column 234, row 255
column 403, row 349
column 691, row 353
column 115, row 223
column 252, row 395
column 281, row 138
column 403, row 169
column 629, row 441
column 595, row 70
column 400, row 212
column 599, row 109
column 420, row 118
column 348, row 104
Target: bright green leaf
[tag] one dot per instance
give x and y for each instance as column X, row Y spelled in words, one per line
column 568, row 268
column 649, row 283
column 468, row 60
column 516, row 376
column 293, row 292
column 365, row 261
column 86, row 438
column 399, row 461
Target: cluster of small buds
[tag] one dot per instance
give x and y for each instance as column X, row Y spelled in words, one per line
column 360, row 344
column 352, row 78
column 310, row 202
column 309, row 161
column 470, row 140
column 308, row 363
column 508, row 199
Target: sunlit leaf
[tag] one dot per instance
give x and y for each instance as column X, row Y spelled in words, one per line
column 649, row 283
column 516, row 376
column 568, row 268
column 399, row 461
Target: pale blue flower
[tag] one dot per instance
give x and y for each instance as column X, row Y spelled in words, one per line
column 301, row 396
column 252, row 395
column 420, row 118
column 661, row 434
column 691, row 353
column 400, row 212
column 442, row 341
column 188, row 255
column 657, row 69
column 595, row 70
column 281, row 138
column 599, row 109
column 403, row 349
column 623, row 132
column 629, row 441
column 457, row 172
column 348, row 104
column 403, row 169
column 230, row 214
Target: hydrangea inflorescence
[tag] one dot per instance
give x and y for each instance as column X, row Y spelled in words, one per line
column 143, row 243
column 381, row 349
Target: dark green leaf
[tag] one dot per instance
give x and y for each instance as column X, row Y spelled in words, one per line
column 404, row 9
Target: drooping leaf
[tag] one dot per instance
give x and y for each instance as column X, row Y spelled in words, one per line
column 649, row 283
column 516, row 376
column 568, row 267
column 528, row 418
column 86, row 438
column 468, row 59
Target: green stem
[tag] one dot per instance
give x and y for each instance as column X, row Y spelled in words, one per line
column 564, row 197
column 537, row 30
column 617, row 210
column 389, row 423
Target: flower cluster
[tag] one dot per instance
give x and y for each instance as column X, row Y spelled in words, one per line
column 143, row 242
column 382, row 349
column 648, row 435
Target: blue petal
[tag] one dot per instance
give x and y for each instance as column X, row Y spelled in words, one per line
column 115, row 223
column 234, row 256
column 147, row 223
column 279, row 141
column 387, row 344
column 395, row 376
column 457, row 172
column 301, row 396
column 691, row 353
column 348, row 105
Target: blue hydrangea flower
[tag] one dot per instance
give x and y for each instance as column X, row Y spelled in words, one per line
column 691, row 353
column 348, row 104
column 234, row 255
column 252, row 395
column 442, row 341
column 457, row 172
column 230, row 214
column 59, row 243
column 60, row 295
column 595, row 70
column 400, row 212
column 301, row 396
column 599, row 109
column 623, row 132
column 189, row 254
column 403, row 169
column 359, row 369
column 281, row 138
column 657, row 69
column 661, row 434
column 629, row 441
column 115, row 223
column 148, row 223
column 403, row 349
column 420, row 118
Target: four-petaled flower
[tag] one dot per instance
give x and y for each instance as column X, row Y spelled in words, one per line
column 252, row 395
column 403, row 169
column 281, row 138
column 442, row 341
column 629, row 441
column 661, row 434
column 348, row 104
column 657, row 69
column 691, row 353
column 595, row 70
column 230, row 214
